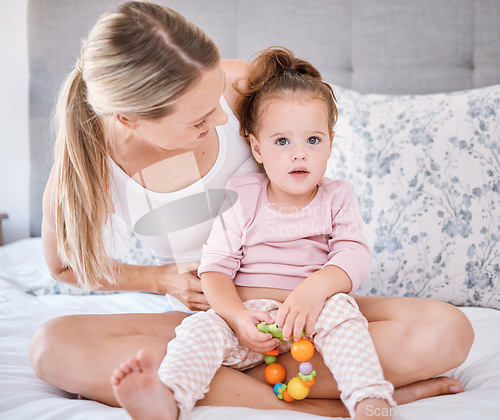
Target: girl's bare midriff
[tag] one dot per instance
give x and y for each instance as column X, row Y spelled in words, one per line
column 248, row 293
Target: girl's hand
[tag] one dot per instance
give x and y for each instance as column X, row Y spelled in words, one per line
column 245, row 327
column 301, row 308
column 299, row 312
column 185, row 286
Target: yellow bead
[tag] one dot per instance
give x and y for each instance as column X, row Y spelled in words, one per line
column 297, row 389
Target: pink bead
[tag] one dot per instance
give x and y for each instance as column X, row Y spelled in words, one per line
column 306, row 368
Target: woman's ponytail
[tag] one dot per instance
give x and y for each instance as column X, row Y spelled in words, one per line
column 82, row 198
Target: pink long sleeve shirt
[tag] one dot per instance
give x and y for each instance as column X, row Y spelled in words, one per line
column 258, row 246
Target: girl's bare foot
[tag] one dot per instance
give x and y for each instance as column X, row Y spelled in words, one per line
column 139, row 390
column 442, row 385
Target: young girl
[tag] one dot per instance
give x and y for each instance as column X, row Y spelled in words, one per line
column 288, row 251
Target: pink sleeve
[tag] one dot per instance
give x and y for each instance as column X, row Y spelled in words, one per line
column 348, row 246
column 223, row 252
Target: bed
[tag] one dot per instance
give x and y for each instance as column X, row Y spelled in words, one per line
column 418, row 138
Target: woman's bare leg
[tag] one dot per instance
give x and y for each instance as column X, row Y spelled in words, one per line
column 80, row 353
column 136, row 384
column 416, row 339
column 417, row 328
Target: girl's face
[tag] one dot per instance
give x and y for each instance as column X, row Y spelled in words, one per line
column 195, row 115
column 293, row 143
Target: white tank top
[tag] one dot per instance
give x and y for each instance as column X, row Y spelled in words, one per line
column 176, row 225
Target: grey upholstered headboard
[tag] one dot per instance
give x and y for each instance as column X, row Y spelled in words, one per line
column 386, row 46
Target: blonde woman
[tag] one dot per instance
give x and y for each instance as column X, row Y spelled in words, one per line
column 145, row 119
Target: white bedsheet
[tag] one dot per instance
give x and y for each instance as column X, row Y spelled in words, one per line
column 24, row 396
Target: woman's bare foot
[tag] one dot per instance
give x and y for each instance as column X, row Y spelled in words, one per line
column 139, row 390
column 433, row 387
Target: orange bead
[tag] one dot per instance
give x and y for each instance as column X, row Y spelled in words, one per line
column 287, row 397
column 275, row 373
column 302, row 350
column 274, row 352
column 310, row 383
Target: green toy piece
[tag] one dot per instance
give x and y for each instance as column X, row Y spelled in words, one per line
column 279, row 389
column 274, row 330
column 309, row 377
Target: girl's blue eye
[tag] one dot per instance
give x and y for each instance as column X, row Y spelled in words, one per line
column 282, row 141
column 313, row 140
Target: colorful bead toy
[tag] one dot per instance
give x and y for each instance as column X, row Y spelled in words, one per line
column 302, row 351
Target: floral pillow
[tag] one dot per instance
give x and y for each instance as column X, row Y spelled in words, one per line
column 426, row 172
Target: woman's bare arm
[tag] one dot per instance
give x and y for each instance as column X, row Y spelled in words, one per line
column 235, row 70
column 163, row 279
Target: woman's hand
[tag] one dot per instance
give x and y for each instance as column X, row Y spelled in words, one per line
column 183, row 283
column 245, row 327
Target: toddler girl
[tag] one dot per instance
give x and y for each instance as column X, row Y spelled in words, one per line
column 290, row 249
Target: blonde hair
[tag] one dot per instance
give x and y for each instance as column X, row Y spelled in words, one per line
column 138, row 59
column 276, row 71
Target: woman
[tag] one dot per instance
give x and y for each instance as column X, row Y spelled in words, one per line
column 137, row 131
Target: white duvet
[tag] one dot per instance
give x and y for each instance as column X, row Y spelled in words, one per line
column 23, row 277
